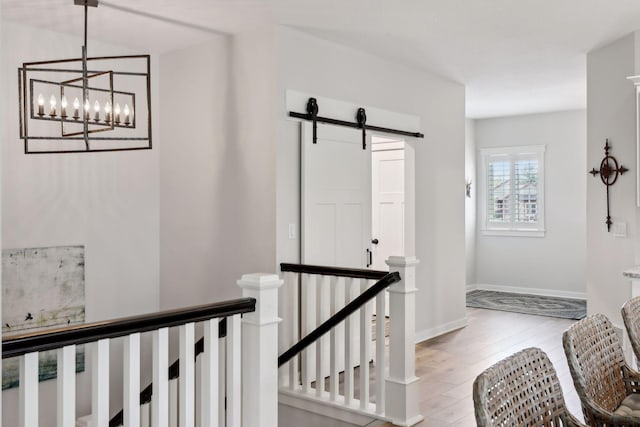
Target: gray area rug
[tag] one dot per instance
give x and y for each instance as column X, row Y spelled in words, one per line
column 566, row 308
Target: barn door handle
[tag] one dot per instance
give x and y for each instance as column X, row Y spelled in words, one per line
column 375, row 241
column 370, row 258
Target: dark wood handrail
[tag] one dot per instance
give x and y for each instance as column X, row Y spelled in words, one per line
column 380, row 285
column 356, row 273
column 81, row 334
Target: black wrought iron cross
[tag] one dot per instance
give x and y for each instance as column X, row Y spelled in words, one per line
column 609, row 171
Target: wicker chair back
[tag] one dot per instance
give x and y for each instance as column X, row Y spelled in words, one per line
column 595, row 359
column 631, row 317
column 521, row 390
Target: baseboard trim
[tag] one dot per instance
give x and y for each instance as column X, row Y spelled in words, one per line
column 531, row 291
column 427, row 334
column 472, row 287
column 326, row 408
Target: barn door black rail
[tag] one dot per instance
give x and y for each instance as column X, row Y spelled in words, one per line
column 360, row 123
column 387, row 280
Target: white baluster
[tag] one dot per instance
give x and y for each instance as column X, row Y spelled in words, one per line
column 333, row 341
column 29, row 390
column 187, row 375
column 222, row 382
column 234, row 362
column 322, row 302
column 100, row 383
column 198, row 389
column 308, row 325
column 160, row 396
column 365, row 350
column 131, row 381
column 145, row 415
column 173, row 403
column 380, row 351
column 66, row 386
column 292, row 286
column 260, row 351
column 349, row 334
column 210, row 377
column 402, row 392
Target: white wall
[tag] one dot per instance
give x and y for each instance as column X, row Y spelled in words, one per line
column 611, row 114
column 196, row 175
column 107, row 202
column 312, row 65
column 470, row 202
column 251, row 219
column 554, row 264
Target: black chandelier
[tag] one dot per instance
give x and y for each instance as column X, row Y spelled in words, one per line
column 83, row 104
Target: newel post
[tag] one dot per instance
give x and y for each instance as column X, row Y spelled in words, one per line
column 260, row 351
column 402, row 393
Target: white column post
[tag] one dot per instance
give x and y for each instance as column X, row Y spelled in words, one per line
column 402, row 393
column 260, row 351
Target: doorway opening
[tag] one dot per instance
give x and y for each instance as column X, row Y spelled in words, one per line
column 387, row 199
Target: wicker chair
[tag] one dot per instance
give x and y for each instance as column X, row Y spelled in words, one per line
column 521, row 390
column 631, row 317
column 607, row 386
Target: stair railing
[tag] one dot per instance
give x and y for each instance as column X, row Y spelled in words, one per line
column 251, row 337
column 332, row 309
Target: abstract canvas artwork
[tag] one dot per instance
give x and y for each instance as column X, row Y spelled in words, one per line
column 43, row 288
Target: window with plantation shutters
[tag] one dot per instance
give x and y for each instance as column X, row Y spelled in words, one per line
column 512, row 191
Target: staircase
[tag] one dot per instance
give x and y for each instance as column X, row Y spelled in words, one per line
column 229, row 375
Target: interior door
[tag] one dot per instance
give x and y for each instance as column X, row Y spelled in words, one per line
column 336, row 197
column 388, row 206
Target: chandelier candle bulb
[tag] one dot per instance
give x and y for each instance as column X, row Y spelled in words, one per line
column 63, row 107
column 40, row 105
column 52, row 104
column 116, row 111
column 107, row 112
column 76, row 109
column 126, row 114
column 96, row 108
column 87, row 107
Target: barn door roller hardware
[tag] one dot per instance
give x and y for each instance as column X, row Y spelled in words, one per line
column 609, row 171
column 360, row 123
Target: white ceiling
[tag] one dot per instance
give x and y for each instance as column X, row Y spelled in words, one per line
column 513, row 56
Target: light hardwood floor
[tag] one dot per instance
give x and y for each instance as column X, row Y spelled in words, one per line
column 448, row 365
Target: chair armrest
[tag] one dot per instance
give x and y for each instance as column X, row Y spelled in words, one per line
column 596, row 415
column 569, row 420
column 631, row 379
column 617, row 420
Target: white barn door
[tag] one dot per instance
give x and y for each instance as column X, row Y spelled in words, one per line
column 336, row 197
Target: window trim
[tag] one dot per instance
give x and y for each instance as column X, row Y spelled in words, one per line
column 512, row 229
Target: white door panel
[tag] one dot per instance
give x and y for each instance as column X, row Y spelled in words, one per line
column 388, row 206
column 336, row 197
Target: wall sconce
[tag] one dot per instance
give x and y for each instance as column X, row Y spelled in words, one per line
column 83, row 104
